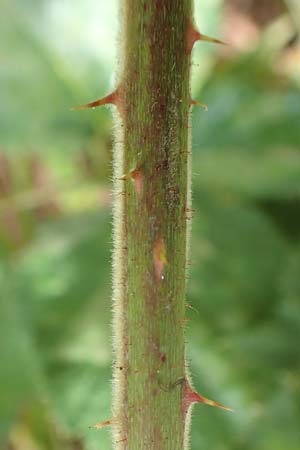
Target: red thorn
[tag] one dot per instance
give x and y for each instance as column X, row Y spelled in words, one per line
column 109, row 99
column 160, row 259
column 196, row 103
column 193, row 35
column 100, row 425
column 191, row 397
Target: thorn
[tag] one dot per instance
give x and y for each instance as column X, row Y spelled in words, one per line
column 109, row 99
column 191, row 210
column 188, row 213
column 100, row 425
column 196, row 103
column 213, row 403
column 203, row 37
column 121, row 440
column 160, row 259
column 191, row 397
column 184, row 321
column 188, row 305
column 193, row 35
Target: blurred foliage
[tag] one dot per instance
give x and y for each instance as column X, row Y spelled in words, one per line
column 55, row 226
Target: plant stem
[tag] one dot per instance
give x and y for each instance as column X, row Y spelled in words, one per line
column 151, row 213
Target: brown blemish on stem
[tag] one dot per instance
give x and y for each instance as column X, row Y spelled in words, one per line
column 160, row 259
column 138, row 178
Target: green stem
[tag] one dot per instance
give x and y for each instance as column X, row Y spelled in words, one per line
column 151, row 213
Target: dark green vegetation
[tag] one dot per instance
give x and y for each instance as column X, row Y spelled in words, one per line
column 56, row 242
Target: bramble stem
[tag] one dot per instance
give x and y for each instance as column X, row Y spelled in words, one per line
column 151, row 214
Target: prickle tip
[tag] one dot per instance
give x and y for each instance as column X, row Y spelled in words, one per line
column 209, row 402
column 204, row 37
column 196, row 103
column 100, row 425
column 109, row 99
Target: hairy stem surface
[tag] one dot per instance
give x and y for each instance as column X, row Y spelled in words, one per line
column 151, row 176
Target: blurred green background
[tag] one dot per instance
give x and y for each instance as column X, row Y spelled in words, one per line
column 55, row 225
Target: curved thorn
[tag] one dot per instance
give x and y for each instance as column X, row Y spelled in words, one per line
column 109, row 99
column 196, row 103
